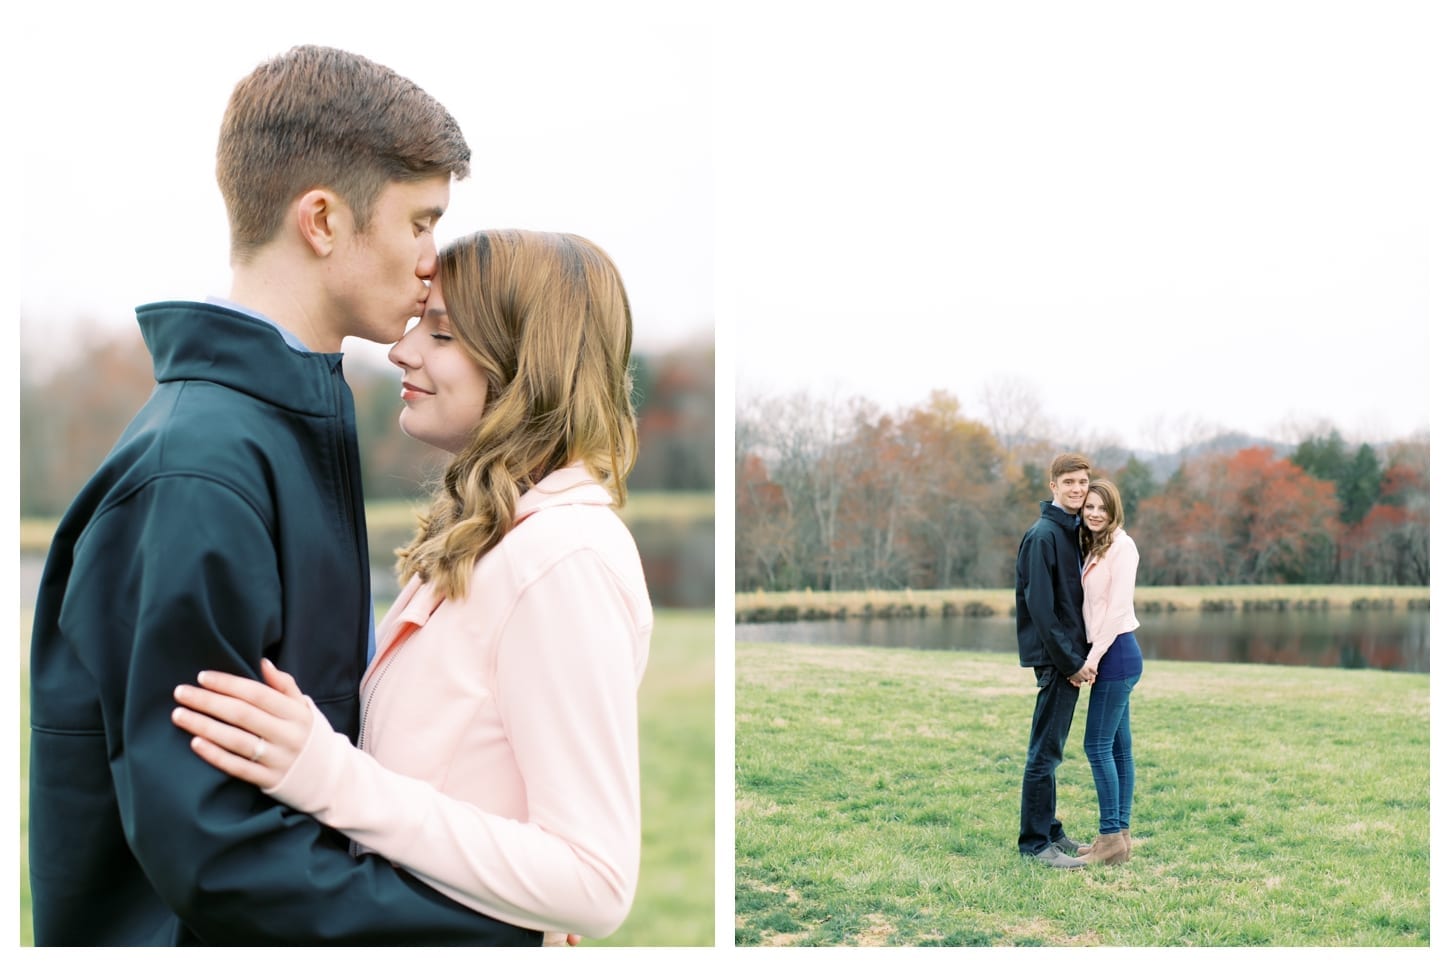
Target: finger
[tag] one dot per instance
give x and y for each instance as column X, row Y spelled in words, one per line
column 237, row 742
column 238, row 767
column 252, row 692
column 573, row 939
column 280, row 680
column 232, row 712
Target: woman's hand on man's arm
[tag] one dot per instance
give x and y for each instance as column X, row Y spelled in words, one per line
column 253, row 731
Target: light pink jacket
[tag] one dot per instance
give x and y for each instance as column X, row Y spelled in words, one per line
column 499, row 754
column 1107, row 594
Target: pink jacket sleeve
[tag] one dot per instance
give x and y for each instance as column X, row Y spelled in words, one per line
column 567, row 682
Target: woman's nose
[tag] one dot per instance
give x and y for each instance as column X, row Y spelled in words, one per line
column 402, row 354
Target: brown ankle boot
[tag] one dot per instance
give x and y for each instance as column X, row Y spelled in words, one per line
column 1109, row 849
column 1128, row 842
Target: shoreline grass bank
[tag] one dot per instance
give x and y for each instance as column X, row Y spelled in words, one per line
column 807, row 605
column 877, row 799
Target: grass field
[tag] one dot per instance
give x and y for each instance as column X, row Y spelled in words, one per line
column 674, row 905
column 877, row 796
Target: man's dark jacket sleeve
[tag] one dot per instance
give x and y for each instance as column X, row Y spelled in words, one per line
column 1056, row 633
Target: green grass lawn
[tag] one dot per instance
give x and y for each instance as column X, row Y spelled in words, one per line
column 674, row 905
column 877, row 795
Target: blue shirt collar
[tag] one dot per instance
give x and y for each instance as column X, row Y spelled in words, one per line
column 287, row 335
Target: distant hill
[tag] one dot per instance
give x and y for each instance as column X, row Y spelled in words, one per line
column 1164, row 465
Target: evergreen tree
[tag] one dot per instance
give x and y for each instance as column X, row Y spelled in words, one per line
column 1136, row 484
column 1359, row 487
column 1322, row 457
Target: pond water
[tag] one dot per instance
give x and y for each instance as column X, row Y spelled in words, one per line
column 1393, row 640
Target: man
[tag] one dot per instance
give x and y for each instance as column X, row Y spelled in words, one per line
column 227, row 525
column 1052, row 640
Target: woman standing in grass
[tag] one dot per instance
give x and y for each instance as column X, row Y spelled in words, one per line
column 1110, row 573
column 498, row 754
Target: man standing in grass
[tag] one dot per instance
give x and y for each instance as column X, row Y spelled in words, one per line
column 1052, row 640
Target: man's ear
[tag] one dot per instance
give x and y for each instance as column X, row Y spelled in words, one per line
column 319, row 214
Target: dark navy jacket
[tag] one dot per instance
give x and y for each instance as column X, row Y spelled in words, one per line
column 1050, row 625
column 225, row 525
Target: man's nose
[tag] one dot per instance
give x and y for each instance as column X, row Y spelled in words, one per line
column 428, row 260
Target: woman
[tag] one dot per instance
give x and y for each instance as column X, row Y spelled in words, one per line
column 1110, row 570
column 497, row 757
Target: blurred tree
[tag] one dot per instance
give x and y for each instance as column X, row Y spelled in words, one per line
column 764, row 551
column 1391, row 543
column 870, row 538
column 1322, row 456
column 1136, row 484
column 955, row 470
column 1359, row 485
column 676, row 409
column 1244, row 518
column 1356, row 479
column 72, row 416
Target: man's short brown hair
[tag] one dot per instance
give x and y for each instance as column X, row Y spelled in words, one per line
column 1068, row 463
column 318, row 117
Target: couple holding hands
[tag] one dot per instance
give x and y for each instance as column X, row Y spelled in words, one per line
column 1076, row 572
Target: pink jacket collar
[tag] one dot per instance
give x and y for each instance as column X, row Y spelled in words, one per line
column 1095, row 561
column 568, row 485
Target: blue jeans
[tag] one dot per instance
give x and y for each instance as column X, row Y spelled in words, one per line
column 1051, row 719
column 1108, row 743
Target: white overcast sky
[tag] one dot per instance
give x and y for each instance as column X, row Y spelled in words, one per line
column 582, row 117
column 1157, row 215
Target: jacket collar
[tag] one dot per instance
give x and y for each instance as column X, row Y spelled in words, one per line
column 568, row 485
column 195, row 340
column 1095, row 560
column 1057, row 515
column 571, row 485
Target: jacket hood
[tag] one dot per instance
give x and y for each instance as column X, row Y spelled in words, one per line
column 196, row 340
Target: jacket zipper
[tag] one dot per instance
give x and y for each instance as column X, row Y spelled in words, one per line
column 362, row 727
column 352, row 505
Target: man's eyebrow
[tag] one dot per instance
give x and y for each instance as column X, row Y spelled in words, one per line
column 432, row 214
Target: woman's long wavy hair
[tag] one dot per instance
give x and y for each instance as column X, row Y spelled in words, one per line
column 546, row 317
column 1098, row 544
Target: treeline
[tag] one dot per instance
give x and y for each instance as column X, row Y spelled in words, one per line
column 71, row 415
column 851, row 497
